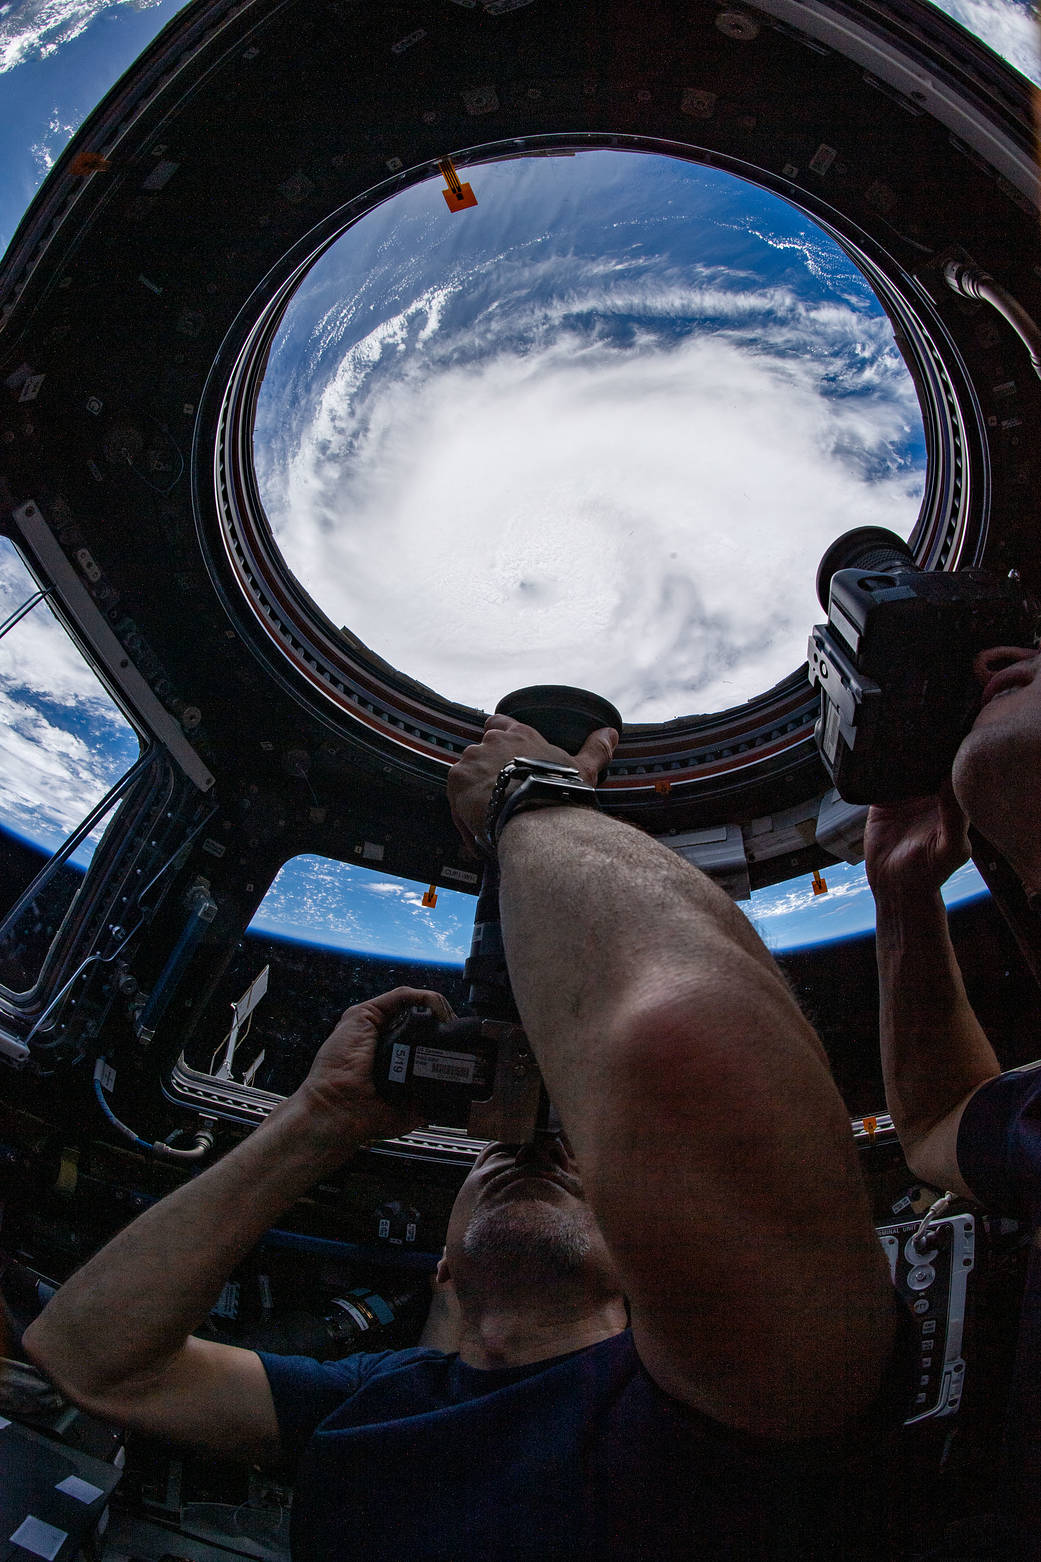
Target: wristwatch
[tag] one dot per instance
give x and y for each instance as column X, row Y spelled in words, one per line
column 543, row 784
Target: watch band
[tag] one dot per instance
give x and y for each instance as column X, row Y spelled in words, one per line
column 543, row 784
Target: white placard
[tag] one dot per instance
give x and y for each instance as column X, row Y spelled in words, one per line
column 43, row 1540
column 82, row 1490
column 435, row 1063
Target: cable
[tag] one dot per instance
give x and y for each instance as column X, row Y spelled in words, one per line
column 921, row 1238
column 972, row 282
column 128, row 1133
column 204, row 1139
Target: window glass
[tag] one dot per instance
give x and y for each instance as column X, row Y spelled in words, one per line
column 64, row 743
column 596, row 430
column 330, row 934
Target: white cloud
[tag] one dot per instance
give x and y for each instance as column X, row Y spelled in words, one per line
column 63, row 743
column 645, row 520
column 799, row 895
column 36, row 29
column 320, row 898
column 1008, row 27
column 44, row 151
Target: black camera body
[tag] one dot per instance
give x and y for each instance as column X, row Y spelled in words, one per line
column 475, row 1074
column 894, row 663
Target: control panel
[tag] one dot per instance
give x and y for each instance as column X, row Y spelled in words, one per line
column 930, row 1263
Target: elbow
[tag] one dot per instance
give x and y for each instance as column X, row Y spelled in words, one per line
column 42, row 1347
column 36, row 1345
column 923, row 1161
column 45, row 1348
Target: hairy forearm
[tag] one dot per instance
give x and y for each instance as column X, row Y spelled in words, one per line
column 598, row 917
column 603, row 928
column 934, row 1050
column 713, row 1145
column 129, row 1311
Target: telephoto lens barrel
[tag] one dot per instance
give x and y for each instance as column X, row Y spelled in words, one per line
column 562, row 715
column 350, row 1322
column 566, row 717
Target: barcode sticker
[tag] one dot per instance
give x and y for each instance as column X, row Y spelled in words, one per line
column 457, row 1067
column 459, row 875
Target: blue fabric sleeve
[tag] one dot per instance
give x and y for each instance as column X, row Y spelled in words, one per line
column 999, row 1144
column 306, row 1391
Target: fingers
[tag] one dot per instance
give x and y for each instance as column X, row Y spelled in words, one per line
column 954, row 824
column 593, row 757
column 595, row 753
column 472, row 777
column 998, row 657
column 387, row 1005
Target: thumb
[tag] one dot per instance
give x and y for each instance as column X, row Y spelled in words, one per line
column 595, row 754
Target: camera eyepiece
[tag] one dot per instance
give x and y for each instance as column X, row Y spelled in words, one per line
column 870, row 548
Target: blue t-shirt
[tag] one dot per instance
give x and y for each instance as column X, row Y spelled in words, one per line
column 999, row 1156
column 413, row 1456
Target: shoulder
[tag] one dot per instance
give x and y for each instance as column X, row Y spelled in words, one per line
column 303, row 1374
column 305, row 1392
column 998, row 1141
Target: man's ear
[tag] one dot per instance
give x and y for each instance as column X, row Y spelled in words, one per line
column 442, row 1274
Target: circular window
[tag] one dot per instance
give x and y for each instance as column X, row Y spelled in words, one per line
column 596, row 429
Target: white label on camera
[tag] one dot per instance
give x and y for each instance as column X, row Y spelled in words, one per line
column 456, row 1067
column 43, row 1540
column 82, row 1490
column 399, row 1062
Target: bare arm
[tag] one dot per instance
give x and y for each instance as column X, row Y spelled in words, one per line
column 117, row 1336
column 713, row 1144
column 934, row 1050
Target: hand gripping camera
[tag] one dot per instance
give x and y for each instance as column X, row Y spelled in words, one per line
column 478, row 1073
column 894, row 662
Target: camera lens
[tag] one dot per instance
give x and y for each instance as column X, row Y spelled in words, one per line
column 563, row 715
column 870, row 548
